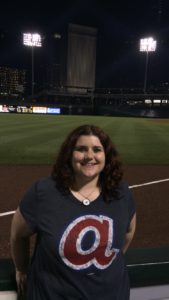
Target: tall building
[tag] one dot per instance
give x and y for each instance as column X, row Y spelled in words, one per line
column 79, row 58
column 12, row 81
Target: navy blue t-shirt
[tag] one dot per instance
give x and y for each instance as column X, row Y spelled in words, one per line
column 78, row 252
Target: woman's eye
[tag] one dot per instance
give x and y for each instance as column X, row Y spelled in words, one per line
column 80, row 149
column 97, row 149
column 85, row 149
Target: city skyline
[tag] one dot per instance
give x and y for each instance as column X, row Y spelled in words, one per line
column 120, row 27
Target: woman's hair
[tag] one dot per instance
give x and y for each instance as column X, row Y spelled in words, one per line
column 110, row 176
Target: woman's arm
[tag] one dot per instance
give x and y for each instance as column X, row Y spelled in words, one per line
column 19, row 240
column 130, row 233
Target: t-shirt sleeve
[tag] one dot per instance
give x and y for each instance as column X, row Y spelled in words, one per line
column 29, row 207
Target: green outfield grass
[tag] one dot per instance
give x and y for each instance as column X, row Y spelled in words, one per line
column 35, row 139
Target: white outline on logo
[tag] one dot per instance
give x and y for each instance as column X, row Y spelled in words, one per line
column 108, row 252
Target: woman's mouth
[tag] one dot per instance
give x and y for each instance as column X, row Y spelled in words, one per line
column 88, row 164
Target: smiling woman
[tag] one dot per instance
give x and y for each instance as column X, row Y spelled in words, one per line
column 88, row 158
column 84, row 217
column 88, row 149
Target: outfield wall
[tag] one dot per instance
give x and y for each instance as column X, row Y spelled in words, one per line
column 89, row 109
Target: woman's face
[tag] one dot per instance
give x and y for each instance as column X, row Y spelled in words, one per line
column 88, row 158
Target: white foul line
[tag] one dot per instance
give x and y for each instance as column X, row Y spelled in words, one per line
column 130, row 187
column 148, row 183
column 7, row 213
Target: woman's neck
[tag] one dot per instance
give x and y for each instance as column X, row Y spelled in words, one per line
column 86, row 191
column 85, row 184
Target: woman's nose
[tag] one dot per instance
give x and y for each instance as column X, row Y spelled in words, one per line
column 89, row 154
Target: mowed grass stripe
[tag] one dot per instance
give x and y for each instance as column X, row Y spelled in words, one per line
column 144, row 144
column 35, row 139
column 155, row 142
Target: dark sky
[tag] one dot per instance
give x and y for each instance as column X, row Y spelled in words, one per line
column 120, row 26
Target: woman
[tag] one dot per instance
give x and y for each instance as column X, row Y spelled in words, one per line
column 84, row 218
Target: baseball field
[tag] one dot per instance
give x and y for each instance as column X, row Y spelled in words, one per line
column 29, row 143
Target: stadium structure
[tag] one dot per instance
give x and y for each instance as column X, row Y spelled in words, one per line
column 71, row 87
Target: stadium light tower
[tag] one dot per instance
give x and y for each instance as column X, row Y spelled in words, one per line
column 147, row 45
column 32, row 40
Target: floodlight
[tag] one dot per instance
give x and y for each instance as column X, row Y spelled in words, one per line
column 147, row 45
column 32, row 40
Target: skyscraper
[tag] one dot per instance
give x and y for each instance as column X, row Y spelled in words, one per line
column 79, row 58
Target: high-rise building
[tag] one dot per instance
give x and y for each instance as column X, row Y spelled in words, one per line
column 79, row 58
column 12, row 81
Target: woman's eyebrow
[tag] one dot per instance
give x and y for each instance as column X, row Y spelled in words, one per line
column 84, row 146
column 80, row 146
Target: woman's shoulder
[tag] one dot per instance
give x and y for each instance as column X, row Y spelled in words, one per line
column 123, row 185
column 44, row 183
column 124, row 188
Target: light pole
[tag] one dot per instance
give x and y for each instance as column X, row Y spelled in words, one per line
column 147, row 45
column 32, row 40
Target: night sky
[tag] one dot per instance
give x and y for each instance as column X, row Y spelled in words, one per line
column 120, row 26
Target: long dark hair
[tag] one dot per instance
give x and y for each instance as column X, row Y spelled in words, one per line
column 112, row 173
